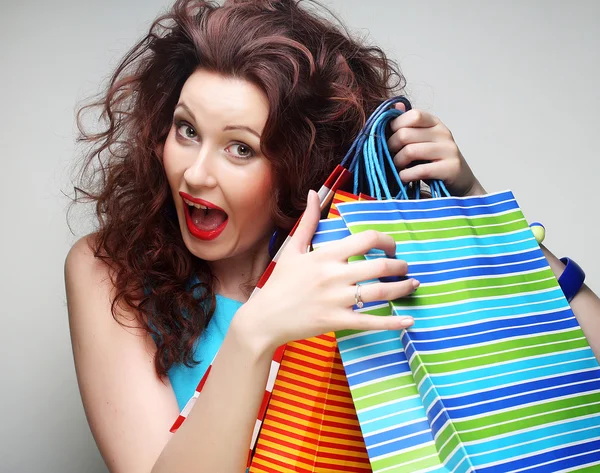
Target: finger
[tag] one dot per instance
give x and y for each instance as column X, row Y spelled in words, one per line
column 424, row 172
column 308, row 224
column 360, row 244
column 406, row 135
column 414, row 118
column 420, row 152
column 381, row 291
column 375, row 269
column 364, row 322
column 400, row 106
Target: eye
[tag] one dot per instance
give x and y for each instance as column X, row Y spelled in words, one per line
column 185, row 130
column 243, row 151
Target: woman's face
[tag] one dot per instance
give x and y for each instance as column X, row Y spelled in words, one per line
column 221, row 184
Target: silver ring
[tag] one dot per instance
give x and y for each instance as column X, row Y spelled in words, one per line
column 357, row 300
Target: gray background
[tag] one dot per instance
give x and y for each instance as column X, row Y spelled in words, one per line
column 516, row 82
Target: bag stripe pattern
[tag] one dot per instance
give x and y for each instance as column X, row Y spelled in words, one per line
column 311, row 424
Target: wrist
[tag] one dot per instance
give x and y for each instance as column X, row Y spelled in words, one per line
column 249, row 335
column 475, row 189
column 556, row 265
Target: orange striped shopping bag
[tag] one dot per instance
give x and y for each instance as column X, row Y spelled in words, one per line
column 311, row 425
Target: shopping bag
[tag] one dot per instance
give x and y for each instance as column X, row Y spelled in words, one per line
column 503, row 369
column 310, row 423
column 496, row 360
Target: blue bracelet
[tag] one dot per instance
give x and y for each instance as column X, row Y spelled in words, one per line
column 571, row 279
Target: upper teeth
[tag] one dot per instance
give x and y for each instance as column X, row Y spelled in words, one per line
column 198, row 206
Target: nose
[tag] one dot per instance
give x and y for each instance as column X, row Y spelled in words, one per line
column 202, row 170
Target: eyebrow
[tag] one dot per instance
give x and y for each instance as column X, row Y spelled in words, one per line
column 241, row 127
column 227, row 128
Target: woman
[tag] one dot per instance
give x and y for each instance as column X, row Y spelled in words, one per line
column 219, row 122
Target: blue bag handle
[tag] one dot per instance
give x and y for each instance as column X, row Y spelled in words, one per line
column 371, row 163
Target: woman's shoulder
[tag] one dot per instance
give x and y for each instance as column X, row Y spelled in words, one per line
column 82, row 264
column 89, row 288
column 87, row 277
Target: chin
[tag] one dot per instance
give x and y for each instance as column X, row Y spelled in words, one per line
column 207, row 252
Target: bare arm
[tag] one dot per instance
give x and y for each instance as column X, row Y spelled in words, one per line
column 585, row 305
column 130, row 410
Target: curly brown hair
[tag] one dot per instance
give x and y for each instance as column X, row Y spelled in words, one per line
column 320, row 83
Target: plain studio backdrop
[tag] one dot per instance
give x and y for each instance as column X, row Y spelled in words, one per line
column 515, row 81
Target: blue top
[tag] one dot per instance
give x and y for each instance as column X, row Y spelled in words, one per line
column 185, row 380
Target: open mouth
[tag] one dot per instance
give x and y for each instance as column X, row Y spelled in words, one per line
column 204, row 220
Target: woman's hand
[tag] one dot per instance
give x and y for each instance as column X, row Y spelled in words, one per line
column 311, row 293
column 424, row 148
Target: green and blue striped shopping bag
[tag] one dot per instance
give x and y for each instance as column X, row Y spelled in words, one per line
column 496, row 375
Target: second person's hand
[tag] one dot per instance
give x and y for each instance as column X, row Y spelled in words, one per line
column 424, row 148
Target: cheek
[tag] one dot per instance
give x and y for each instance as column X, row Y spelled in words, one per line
column 265, row 187
column 258, row 196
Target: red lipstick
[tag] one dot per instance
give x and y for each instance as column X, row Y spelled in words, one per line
column 193, row 229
